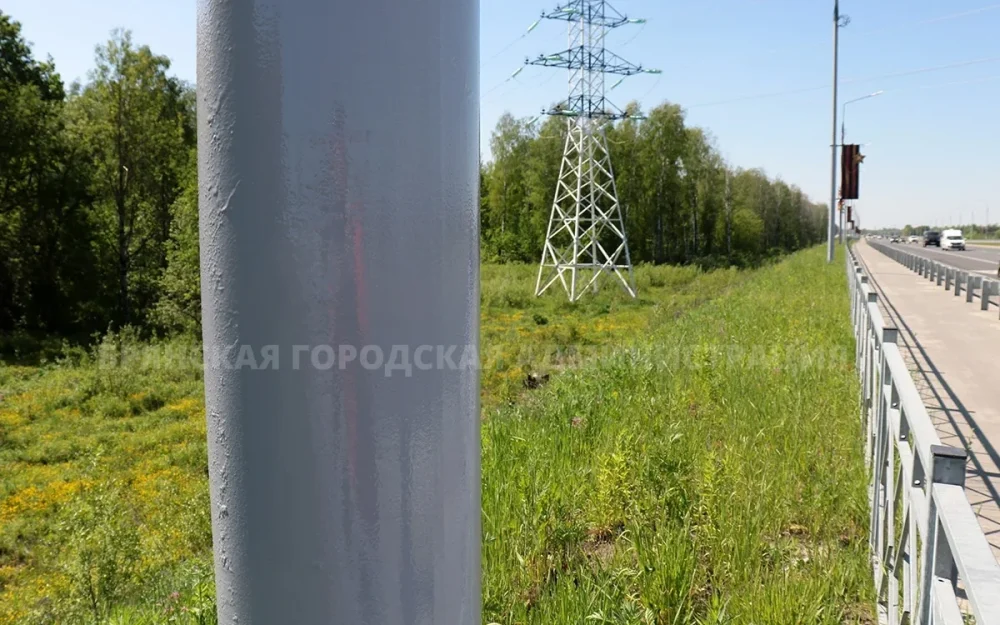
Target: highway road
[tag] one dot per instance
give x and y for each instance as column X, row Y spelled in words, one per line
column 983, row 259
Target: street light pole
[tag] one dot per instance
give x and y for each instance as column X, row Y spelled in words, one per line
column 833, row 142
column 338, row 208
column 843, row 140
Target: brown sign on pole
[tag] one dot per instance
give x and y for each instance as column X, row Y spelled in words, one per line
column 850, row 161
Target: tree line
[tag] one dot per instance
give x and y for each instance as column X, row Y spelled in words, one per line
column 682, row 203
column 98, row 213
column 973, row 232
column 99, row 204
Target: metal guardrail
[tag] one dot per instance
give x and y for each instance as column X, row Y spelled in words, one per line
column 952, row 278
column 928, row 549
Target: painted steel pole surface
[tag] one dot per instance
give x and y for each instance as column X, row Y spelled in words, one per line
column 338, row 164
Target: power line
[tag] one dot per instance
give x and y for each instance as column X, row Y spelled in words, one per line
column 912, row 72
column 933, row 68
column 940, row 85
column 932, row 20
column 515, row 41
column 495, row 91
column 951, row 84
column 651, row 87
column 633, row 37
column 891, row 27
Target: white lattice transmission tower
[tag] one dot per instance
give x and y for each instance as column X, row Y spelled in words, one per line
column 586, row 234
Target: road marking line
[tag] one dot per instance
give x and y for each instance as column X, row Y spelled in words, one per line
column 974, row 258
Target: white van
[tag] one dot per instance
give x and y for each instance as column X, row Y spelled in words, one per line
column 952, row 240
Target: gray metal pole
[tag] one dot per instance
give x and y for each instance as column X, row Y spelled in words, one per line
column 833, row 142
column 338, row 169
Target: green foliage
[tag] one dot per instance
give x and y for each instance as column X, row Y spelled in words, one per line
column 47, row 277
column 131, row 120
column 637, row 486
column 89, row 192
column 99, row 196
column 617, row 486
column 682, row 203
column 102, row 553
column 179, row 306
column 656, row 478
column 677, row 479
column 989, row 233
column 104, row 507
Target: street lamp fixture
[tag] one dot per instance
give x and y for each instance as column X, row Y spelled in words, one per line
column 843, row 111
column 843, row 118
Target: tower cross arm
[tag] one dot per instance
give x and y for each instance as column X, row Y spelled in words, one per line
column 591, row 59
column 594, row 12
column 611, row 63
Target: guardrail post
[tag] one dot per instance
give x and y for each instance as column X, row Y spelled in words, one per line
column 948, row 277
column 868, row 360
column 960, row 278
column 947, row 467
column 985, row 292
column 932, row 266
column 864, row 368
column 970, row 287
column 940, row 270
column 882, row 443
column 856, row 294
column 862, row 322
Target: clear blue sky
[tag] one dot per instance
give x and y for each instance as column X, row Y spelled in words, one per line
column 715, row 55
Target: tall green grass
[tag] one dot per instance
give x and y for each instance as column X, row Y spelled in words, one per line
column 712, row 473
column 659, row 477
column 523, row 335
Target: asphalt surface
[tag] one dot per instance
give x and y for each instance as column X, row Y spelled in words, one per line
column 983, row 259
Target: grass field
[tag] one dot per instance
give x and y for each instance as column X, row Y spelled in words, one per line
column 693, row 458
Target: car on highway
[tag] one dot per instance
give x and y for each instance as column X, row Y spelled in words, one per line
column 952, row 240
column 894, row 239
column 913, row 239
column 932, row 237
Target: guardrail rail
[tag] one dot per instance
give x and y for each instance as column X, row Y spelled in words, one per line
column 951, row 278
column 931, row 561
